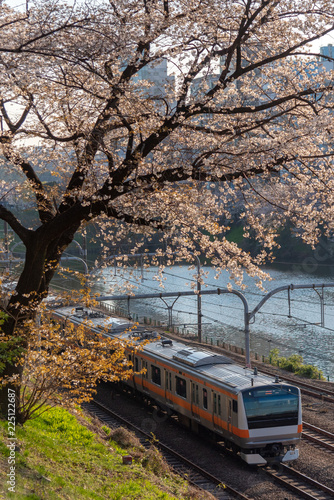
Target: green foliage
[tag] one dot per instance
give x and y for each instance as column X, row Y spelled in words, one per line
column 295, row 364
column 236, row 234
column 274, row 356
column 106, row 429
column 291, row 364
column 310, row 371
column 3, row 317
column 11, row 350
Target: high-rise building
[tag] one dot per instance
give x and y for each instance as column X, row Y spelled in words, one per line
column 159, row 83
column 327, row 51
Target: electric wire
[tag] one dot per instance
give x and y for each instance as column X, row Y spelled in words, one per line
column 230, row 306
column 257, row 336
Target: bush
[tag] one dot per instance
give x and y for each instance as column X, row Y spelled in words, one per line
column 310, row 371
column 274, row 356
column 295, row 364
column 155, row 462
column 125, row 439
column 291, row 364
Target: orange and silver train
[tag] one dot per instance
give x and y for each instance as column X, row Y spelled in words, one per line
column 255, row 415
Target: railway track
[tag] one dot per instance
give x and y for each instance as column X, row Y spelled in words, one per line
column 305, row 387
column 181, row 465
column 311, row 390
column 302, row 486
column 319, row 437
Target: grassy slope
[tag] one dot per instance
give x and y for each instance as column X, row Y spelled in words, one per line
column 59, row 458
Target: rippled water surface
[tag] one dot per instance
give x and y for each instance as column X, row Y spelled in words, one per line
column 295, row 326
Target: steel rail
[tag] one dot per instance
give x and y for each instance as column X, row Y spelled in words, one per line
column 223, row 487
column 306, row 487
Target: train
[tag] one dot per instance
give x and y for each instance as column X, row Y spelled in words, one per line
column 256, row 416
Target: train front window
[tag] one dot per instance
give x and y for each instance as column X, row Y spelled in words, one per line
column 271, row 406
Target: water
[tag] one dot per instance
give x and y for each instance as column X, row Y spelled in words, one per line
column 293, row 328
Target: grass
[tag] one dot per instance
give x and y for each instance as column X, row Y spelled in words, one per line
column 59, row 457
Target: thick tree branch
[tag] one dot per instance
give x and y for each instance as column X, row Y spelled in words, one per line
column 44, row 204
column 132, row 219
column 23, row 233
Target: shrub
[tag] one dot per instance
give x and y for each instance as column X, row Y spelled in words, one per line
column 295, row 364
column 291, row 364
column 155, row 462
column 106, row 429
column 310, row 371
column 125, row 439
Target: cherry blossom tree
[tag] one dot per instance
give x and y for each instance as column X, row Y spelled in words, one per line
column 247, row 121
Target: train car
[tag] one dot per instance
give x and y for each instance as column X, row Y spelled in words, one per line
column 256, row 416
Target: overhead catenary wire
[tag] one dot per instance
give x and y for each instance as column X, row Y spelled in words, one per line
column 257, row 336
column 214, row 285
column 207, row 302
column 298, row 322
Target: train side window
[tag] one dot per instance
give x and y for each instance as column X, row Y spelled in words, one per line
column 156, row 375
column 205, row 399
column 136, row 364
column 219, row 406
column 180, row 387
column 196, row 395
column 214, row 402
column 235, row 406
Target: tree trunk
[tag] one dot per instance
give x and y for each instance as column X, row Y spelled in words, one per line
column 41, row 261
column 13, row 369
column 43, row 254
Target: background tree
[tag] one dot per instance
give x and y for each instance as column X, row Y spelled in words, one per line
column 74, row 103
column 62, row 365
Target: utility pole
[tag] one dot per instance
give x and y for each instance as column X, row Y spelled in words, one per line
column 219, row 291
column 248, row 316
column 198, row 283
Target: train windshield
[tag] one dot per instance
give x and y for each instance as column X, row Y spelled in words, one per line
column 271, row 406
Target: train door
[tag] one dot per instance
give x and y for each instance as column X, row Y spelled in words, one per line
column 145, row 376
column 195, row 401
column 168, row 388
column 217, row 410
column 229, row 416
column 136, row 369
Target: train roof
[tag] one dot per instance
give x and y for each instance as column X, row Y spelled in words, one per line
column 213, row 367
column 95, row 318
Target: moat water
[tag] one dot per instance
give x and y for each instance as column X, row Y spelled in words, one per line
column 303, row 324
